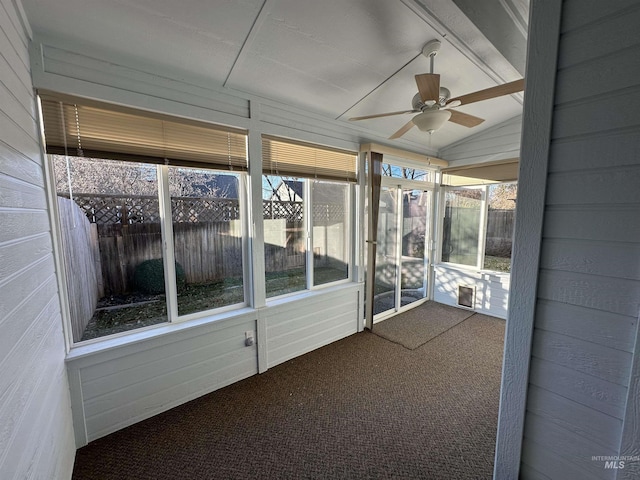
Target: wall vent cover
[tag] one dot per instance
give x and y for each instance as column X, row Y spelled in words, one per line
column 466, row 296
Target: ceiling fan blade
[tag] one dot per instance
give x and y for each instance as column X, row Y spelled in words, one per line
column 405, row 128
column 492, row 92
column 428, row 86
column 378, row 115
column 464, row 119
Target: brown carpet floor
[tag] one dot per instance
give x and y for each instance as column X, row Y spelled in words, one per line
column 417, row 326
column 360, row 408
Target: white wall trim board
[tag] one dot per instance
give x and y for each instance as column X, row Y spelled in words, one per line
column 542, row 57
column 22, row 15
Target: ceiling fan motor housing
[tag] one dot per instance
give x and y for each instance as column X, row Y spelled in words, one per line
column 418, row 104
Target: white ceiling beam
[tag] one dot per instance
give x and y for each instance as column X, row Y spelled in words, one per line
column 447, row 18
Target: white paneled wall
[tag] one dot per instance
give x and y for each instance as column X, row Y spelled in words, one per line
column 491, row 289
column 167, row 366
column 36, row 435
column 500, row 142
column 294, row 328
column 123, row 385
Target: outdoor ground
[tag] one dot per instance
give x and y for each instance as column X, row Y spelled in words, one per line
column 120, row 313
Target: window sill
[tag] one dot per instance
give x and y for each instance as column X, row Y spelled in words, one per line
column 147, row 334
column 469, row 269
column 304, row 294
column 164, row 332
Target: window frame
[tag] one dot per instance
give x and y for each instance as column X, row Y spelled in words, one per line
column 482, row 226
column 307, row 222
column 169, row 247
column 168, row 254
column 253, row 286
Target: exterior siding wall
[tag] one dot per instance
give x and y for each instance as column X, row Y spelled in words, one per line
column 589, row 274
column 36, row 438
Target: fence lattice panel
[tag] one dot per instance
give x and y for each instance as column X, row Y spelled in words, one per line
column 328, row 213
column 134, row 209
column 290, row 211
column 198, row 210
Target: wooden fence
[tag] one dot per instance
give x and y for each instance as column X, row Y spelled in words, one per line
column 499, row 238
column 207, row 235
column 81, row 264
column 463, row 233
column 208, row 251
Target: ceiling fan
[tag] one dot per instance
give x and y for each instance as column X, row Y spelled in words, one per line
column 432, row 103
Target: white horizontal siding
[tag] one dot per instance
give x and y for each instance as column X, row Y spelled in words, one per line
column 552, row 464
column 600, row 395
column 492, row 289
column 604, row 328
column 500, row 142
column 293, row 331
column 115, row 386
column 598, row 427
column 544, row 432
column 121, row 386
column 587, row 357
column 36, row 438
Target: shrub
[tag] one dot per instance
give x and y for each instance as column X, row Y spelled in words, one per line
column 149, row 276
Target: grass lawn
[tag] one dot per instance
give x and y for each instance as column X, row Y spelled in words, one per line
column 120, row 313
column 499, row 264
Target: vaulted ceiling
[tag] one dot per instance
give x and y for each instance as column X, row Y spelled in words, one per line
column 336, row 58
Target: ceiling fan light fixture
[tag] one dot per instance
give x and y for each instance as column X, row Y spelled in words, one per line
column 432, row 120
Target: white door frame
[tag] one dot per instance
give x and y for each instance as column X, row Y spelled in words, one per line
column 399, row 184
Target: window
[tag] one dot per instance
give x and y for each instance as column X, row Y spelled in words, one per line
column 330, row 232
column 150, row 214
column 207, row 238
column 478, row 226
column 461, row 228
column 501, row 215
column 409, row 173
column 306, row 207
column 284, row 235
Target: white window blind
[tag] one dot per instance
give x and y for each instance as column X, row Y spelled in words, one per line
column 284, row 157
column 486, row 173
column 87, row 128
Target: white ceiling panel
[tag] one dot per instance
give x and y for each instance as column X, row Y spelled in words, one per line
column 337, row 58
column 325, row 55
column 195, row 36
